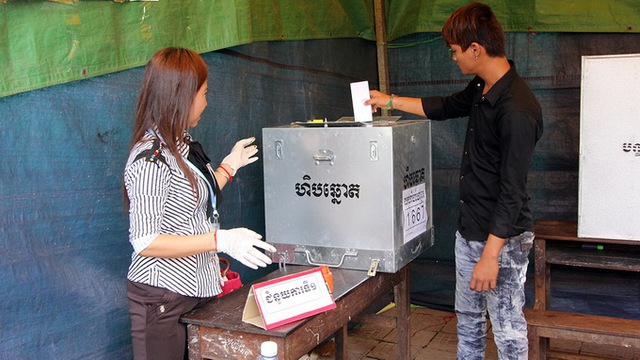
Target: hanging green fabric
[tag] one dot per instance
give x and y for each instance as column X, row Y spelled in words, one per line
column 406, row 17
column 43, row 43
column 48, row 43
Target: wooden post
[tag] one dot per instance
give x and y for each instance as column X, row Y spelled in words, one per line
column 403, row 302
column 341, row 346
column 381, row 49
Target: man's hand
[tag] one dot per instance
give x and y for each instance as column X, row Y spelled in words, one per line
column 485, row 273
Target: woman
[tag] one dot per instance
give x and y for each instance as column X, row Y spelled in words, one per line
column 172, row 207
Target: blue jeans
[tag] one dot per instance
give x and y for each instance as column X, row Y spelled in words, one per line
column 504, row 304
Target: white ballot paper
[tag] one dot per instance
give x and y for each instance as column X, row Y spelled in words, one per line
column 360, row 94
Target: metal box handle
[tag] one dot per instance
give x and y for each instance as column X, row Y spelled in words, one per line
column 316, row 263
column 324, row 155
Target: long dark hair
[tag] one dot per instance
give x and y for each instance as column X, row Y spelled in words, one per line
column 171, row 80
column 475, row 22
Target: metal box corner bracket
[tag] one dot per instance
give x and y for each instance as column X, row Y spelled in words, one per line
column 350, row 197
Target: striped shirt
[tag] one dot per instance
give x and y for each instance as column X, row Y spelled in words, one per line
column 163, row 202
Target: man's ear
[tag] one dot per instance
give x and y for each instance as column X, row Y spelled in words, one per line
column 475, row 48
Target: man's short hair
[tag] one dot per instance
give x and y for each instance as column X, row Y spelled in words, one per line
column 475, row 22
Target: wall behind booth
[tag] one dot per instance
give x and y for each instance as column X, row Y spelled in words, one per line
column 64, row 248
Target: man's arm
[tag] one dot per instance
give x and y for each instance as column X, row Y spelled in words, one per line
column 380, row 100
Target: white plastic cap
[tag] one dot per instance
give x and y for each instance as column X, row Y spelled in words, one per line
column 269, row 348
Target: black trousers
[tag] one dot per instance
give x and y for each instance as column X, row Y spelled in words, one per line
column 156, row 331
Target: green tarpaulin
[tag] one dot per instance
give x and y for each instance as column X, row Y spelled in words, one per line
column 587, row 16
column 45, row 43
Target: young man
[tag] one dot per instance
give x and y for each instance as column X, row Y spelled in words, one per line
column 495, row 227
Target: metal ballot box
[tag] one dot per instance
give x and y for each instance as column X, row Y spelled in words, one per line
column 349, row 195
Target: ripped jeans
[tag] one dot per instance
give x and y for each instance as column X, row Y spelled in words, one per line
column 504, row 304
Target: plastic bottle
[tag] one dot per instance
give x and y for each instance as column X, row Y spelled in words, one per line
column 269, row 351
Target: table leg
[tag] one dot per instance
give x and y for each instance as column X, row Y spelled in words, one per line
column 534, row 343
column 341, row 338
column 402, row 298
column 193, row 342
column 541, row 292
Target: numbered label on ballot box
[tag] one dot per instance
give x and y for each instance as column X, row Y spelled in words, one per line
column 414, row 204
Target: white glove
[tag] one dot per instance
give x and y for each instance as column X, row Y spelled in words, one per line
column 239, row 244
column 241, row 155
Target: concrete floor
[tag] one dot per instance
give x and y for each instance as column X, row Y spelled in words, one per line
column 433, row 336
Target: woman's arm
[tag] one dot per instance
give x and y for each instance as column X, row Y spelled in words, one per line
column 223, row 175
column 176, row 246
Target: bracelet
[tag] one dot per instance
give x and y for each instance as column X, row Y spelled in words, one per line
column 228, row 176
column 221, row 174
column 215, row 239
column 390, row 103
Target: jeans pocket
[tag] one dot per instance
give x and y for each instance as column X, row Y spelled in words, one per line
column 526, row 243
column 520, row 247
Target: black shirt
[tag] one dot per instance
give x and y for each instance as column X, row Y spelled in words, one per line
column 504, row 126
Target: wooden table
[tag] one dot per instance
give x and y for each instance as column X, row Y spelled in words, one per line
column 557, row 243
column 216, row 331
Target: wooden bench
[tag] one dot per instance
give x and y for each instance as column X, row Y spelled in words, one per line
column 557, row 244
column 543, row 325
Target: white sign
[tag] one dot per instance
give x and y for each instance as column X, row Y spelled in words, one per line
column 414, row 205
column 287, row 299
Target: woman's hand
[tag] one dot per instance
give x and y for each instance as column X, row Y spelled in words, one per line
column 241, row 154
column 242, row 244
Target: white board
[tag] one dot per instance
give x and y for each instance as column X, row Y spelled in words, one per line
column 609, row 176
